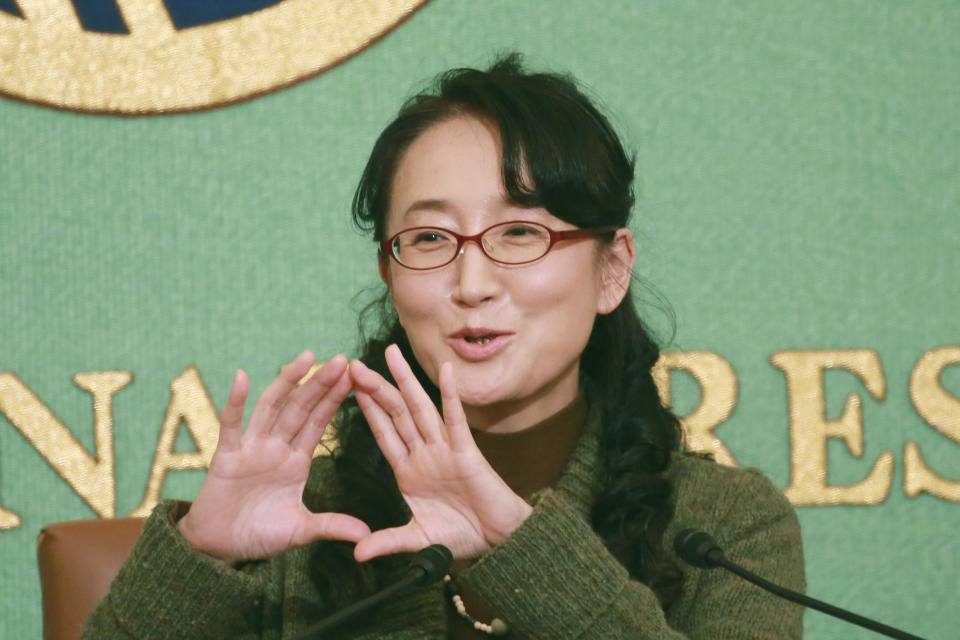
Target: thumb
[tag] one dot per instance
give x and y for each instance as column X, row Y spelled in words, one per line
column 388, row 541
column 331, row 526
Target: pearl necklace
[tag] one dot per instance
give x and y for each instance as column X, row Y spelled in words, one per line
column 497, row 627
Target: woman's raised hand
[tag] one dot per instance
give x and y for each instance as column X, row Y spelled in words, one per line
column 251, row 503
column 456, row 498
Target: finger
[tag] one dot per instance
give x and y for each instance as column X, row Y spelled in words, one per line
column 316, row 423
column 231, row 420
column 453, row 415
column 421, row 407
column 384, row 431
column 389, row 399
column 330, row 526
column 271, row 400
column 390, row 541
column 303, row 401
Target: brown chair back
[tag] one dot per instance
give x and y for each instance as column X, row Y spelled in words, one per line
column 78, row 561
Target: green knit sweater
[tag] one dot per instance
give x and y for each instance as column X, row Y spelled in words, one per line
column 551, row 579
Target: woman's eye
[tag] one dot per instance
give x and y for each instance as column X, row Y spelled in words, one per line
column 522, row 231
column 428, row 238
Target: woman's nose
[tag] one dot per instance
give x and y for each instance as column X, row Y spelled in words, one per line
column 477, row 276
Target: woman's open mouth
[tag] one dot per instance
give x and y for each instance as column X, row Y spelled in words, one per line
column 476, row 344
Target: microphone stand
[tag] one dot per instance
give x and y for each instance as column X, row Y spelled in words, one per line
column 813, row 603
column 700, row 550
column 427, row 566
column 318, row 630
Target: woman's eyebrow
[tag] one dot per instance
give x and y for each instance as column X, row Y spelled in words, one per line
column 430, row 204
column 499, row 207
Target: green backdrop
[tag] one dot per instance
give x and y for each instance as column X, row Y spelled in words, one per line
column 798, row 189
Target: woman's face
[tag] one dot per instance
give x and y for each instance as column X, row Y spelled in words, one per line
column 514, row 334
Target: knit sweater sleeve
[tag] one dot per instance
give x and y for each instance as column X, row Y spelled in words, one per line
column 553, row 577
column 167, row 589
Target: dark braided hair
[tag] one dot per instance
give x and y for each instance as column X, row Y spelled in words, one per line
column 558, row 152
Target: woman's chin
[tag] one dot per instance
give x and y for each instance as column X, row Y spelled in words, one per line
column 481, row 398
column 477, row 394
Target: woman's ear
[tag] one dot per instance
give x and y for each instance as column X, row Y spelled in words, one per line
column 384, row 268
column 617, row 267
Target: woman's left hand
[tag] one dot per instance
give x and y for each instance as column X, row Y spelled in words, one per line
column 456, row 497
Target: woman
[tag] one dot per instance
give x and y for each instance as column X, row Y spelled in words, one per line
column 505, row 409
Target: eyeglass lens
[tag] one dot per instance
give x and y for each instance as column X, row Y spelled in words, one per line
column 509, row 243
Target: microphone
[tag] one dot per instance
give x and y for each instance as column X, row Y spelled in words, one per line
column 699, row 549
column 427, row 566
column 430, row 564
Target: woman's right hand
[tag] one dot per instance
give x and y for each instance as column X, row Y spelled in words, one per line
column 251, row 503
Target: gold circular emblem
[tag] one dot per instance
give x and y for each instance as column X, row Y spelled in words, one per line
column 160, row 56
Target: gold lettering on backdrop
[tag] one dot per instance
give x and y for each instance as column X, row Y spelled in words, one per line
column 8, row 519
column 92, row 478
column 190, row 404
column 942, row 411
column 718, row 397
column 809, row 428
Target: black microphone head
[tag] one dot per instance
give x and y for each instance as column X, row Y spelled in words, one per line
column 697, row 548
column 434, row 561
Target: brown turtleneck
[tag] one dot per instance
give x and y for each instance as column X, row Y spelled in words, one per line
column 528, row 461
